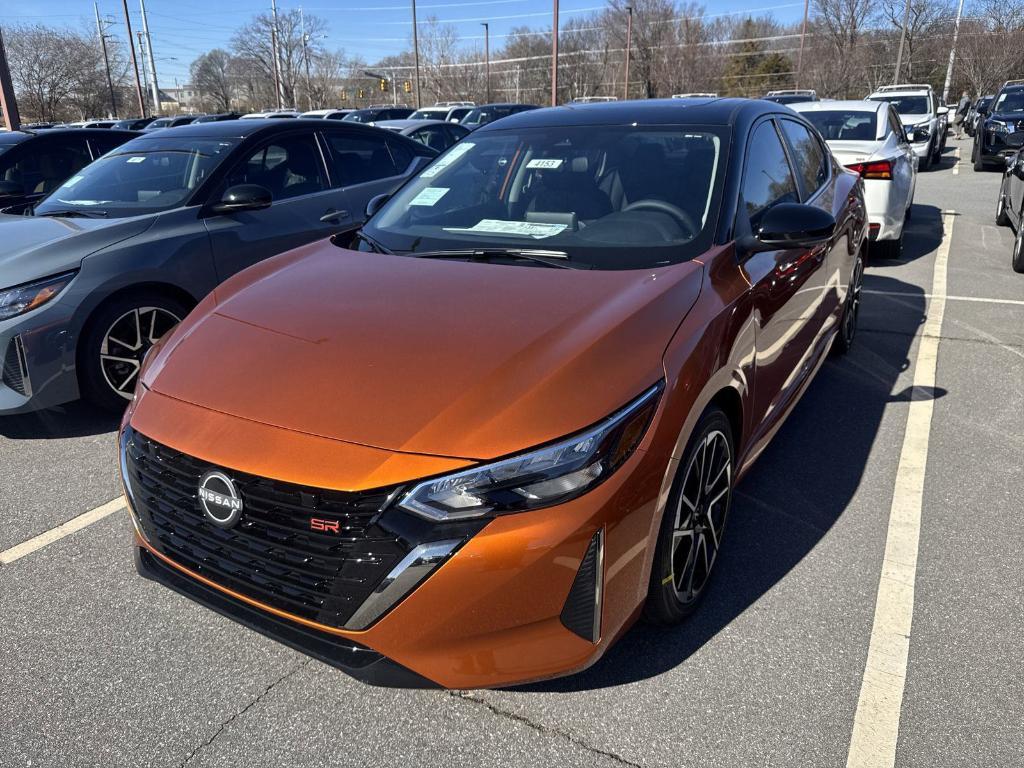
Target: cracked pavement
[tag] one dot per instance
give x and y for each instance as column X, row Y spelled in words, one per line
column 100, row 667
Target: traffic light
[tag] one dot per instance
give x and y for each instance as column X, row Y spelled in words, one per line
column 383, row 85
column 344, row 95
column 407, row 86
column 361, row 93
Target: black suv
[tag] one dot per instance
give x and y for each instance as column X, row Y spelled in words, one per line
column 34, row 164
column 1000, row 130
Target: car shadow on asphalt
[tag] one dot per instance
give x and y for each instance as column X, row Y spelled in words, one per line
column 923, row 233
column 787, row 502
column 78, row 419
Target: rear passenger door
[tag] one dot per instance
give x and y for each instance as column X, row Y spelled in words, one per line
column 291, row 166
column 364, row 164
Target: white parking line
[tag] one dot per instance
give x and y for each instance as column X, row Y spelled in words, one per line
column 956, row 161
column 980, row 299
column 36, row 543
column 877, row 721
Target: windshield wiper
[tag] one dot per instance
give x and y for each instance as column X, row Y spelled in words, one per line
column 73, row 213
column 557, row 259
column 377, row 247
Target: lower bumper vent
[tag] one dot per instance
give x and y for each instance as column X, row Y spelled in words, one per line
column 581, row 613
column 15, row 370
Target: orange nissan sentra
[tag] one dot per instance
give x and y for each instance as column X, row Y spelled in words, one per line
column 472, row 443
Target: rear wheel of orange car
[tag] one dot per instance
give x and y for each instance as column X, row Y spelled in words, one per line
column 694, row 522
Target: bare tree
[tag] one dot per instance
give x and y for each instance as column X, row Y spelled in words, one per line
column 212, row 76
column 252, row 43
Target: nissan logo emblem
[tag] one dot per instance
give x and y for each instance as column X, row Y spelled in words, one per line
column 219, row 499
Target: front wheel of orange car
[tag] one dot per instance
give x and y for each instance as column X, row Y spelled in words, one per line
column 694, row 522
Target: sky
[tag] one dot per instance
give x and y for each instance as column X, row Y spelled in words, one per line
column 183, row 29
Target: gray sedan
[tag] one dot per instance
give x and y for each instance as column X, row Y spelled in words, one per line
column 128, row 245
column 436, row 134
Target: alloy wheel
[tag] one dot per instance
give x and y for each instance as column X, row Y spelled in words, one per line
column 1018, row 241
column 700, row 516
column 853, row 304
column 126, row 343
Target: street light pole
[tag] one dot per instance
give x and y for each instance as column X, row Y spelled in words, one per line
column 903, row 38
column 952, row 53
column 416, row 55
column 803, row 36
column 305, row 58
column 152, row 58
column 487, row 60
column 275, row 46
column 554, row 57
column 629, row 47
column 135, row 61
column 106, row 59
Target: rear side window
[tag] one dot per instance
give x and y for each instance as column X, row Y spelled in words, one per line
column 768, row 179
column 810, row 162
column 358, row 159
column 103, row 144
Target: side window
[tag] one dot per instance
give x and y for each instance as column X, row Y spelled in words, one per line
column 809, row 158
column 103, row 144
column 767, row 179
column 357, row 159
column 289, row 167
column 42, row 169
column 896, row 126
column 432, row 137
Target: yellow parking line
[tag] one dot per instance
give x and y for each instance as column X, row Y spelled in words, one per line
column 877, row 721
column 36, row 543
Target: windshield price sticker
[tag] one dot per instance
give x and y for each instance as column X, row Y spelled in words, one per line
column 136, row 159
column 429, row 196
column 521, row 228
column 453, row 154
column 545, row 163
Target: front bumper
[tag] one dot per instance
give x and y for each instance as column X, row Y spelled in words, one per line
column 921, row 148
column 493, row 614
column 37, row 360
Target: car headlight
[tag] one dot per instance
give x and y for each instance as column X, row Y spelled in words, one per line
column 998, row 126
column 540, row 478
column 22, row 298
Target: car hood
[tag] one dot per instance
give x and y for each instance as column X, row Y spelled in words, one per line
column 456, row 359
column 32, row 247
column 1011, row 117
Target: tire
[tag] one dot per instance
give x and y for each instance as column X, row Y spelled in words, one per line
column 925, row 162
column 1001, row 218
column 118, row 336
column 694, row 523
column 1017, row 259
column 851, row 311
column 979, row 161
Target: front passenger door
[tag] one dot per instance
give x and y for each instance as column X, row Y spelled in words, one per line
column 291, row 167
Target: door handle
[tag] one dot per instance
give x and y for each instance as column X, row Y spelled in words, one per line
column 334, row 216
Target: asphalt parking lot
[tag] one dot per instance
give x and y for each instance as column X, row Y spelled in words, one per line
column 99, row 667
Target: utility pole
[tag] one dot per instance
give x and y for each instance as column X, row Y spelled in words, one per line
column 106, row 59
column 487, row 60
column 519, row 71
column 275, row 44
column 135, row 61
column 145, row 64
column 629, row 47
column 416, row 55
column 8, row 101
column 554, row 57
column 903, row 38
column 152, row 58
column 305, row 57
column 803, row 36
column 952, row 53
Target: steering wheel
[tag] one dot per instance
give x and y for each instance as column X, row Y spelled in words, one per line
column 675, row 212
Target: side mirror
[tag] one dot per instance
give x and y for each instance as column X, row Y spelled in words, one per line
column 242, row 197
column 793, row 225
column 375, row 204
column 11, row 189
column 1011, row 160
column 942, row 111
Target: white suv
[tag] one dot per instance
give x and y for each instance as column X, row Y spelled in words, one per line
column 924, row 119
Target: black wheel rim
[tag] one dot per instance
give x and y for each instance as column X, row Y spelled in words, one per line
column 700, row 513
column 1018, row 241
column 126, row 343
column 853, row 304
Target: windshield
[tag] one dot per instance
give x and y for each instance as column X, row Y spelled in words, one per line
column 142, row 176
column 1010, row 101
column 906, row 105
column 428, row 114
column 609, row 197
column 480, row 116
column 844, row 125
column 163, row 122
column 366, row 116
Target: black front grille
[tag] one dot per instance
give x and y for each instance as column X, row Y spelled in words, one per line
column 271, row 555
column 13, row 375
